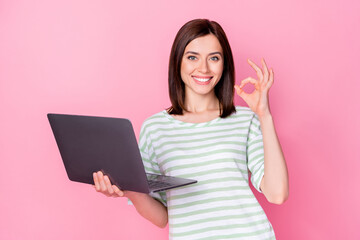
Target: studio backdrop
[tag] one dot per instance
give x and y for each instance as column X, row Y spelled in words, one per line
column 110, row 58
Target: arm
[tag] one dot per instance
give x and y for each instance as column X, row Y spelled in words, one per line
column 149, row 208
column 146, row 206
column 275, row 183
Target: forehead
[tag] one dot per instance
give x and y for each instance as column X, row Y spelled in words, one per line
column 205, row 44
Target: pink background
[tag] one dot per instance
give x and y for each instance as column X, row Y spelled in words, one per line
column 110, row 58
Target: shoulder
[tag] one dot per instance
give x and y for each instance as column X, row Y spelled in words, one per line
column 252, row 120
column 243, row 112
column 244, row 116
column 155, row 117
column 154, row 120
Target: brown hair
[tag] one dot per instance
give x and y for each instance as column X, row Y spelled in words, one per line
column 224, row 89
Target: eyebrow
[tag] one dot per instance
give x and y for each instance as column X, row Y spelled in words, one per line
column 195, row 53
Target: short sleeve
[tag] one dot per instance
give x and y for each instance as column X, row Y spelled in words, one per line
column 255, row 153
column 149, row 160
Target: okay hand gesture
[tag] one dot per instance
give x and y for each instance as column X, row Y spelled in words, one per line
column 258, row 100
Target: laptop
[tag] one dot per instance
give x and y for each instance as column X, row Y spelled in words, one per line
column 88, row 144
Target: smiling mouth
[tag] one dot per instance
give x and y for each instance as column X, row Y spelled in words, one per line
column 202, row 80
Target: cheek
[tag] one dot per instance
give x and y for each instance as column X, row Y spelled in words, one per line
column 186, row 68
column 218, row 69
column 184, row 72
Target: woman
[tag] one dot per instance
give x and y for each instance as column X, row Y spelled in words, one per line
column 205, row 137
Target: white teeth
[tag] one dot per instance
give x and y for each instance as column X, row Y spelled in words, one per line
column 202, row 79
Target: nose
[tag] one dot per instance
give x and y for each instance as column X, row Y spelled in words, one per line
column 203, row 66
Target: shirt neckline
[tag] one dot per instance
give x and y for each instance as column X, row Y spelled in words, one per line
column 189, row 124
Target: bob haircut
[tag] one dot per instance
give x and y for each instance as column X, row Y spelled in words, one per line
column 224, row 89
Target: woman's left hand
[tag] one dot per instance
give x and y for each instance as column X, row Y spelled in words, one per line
column 258, row 100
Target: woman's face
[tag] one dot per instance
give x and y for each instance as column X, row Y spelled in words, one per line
column 202, row 65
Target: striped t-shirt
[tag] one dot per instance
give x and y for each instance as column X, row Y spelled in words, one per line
column 218, row 154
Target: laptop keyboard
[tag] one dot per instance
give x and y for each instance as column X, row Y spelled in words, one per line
column 157, row 184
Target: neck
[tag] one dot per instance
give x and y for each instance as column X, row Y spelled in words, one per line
column 201, row 103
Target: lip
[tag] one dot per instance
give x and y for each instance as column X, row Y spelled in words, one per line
column 202, row 83
column 201, row 76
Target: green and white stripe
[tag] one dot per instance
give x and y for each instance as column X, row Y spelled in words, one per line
column 219, row 154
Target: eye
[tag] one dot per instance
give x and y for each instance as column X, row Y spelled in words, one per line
column 215, row 58
column 191, row 57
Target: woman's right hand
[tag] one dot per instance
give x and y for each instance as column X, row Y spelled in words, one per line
column 103, row 185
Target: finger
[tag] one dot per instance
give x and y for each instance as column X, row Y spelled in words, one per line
column 96, row 181
column 258, row 70
column 101, row 181
column 249, row 80
column 271, row 78
column 118, row 191
column 271, row 75
column 241, row 93
column 238, row 90
column 108, row 185
column 265, row 70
